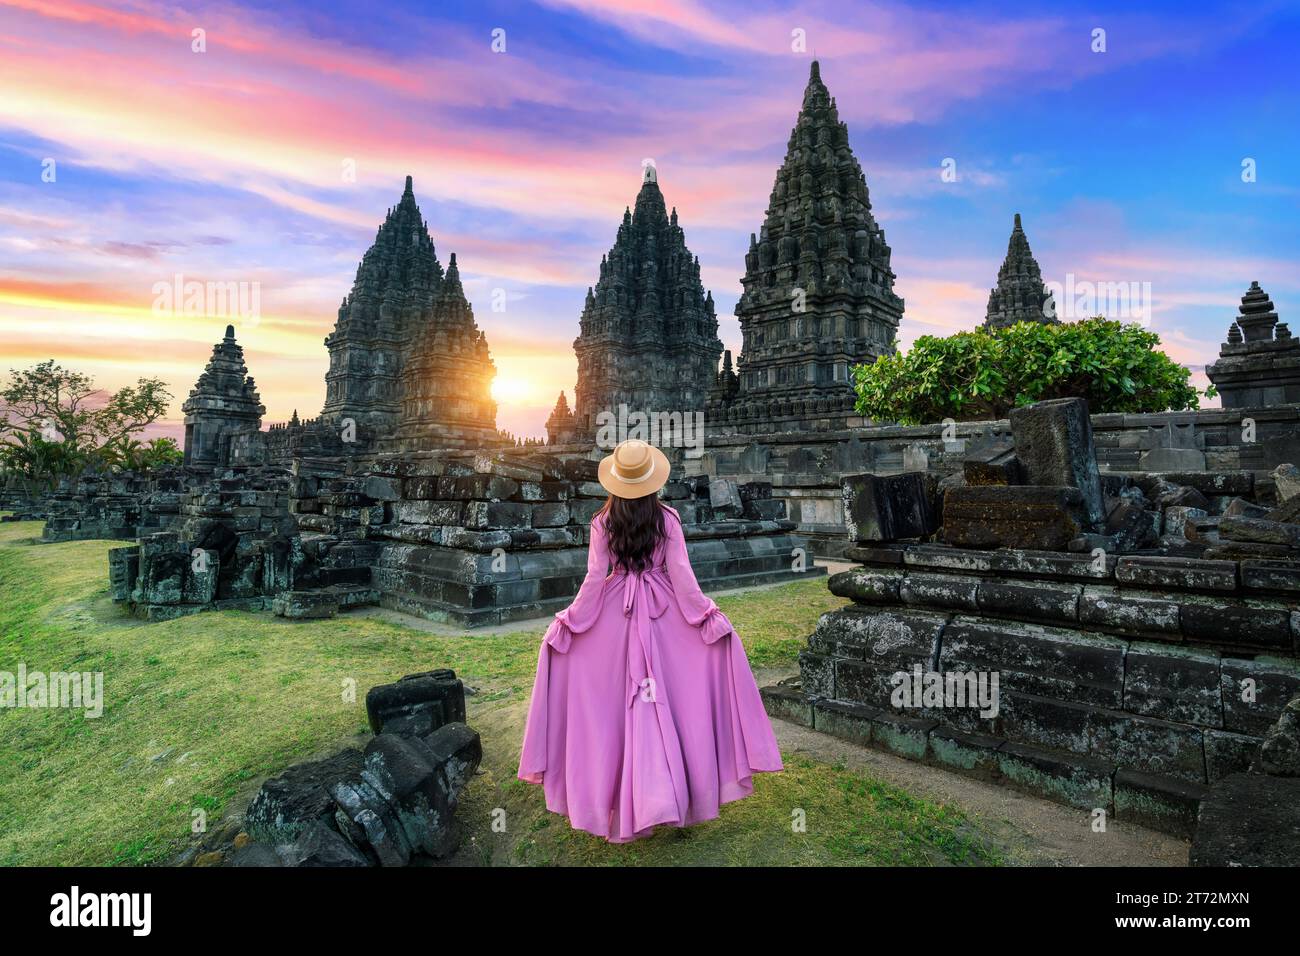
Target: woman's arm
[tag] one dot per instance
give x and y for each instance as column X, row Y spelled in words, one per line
column 697, row 607
column 582, row 613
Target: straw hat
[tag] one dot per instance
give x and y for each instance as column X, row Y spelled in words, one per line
column 634, row 470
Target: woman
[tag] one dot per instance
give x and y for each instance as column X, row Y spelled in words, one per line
column 644, row 711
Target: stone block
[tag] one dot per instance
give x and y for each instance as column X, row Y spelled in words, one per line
column 967, row 752
column 1072, row 779
column 867, row 585
column 818, row 674
column 1129, row 612
column 949, row 591
column 888, row 507
column 417, row 704
column 1054, row 444
column 1037, row 659
column 1249, row 819
column 1173, row 683
column 1032, row 517
column 1186, row 574
column 724, row 498
column 994, row 464
column 787, row 703
column 1035, row 600
column 1228, row 753
column 287, row 805
column 1260, row 531
column 906, row 736
column 1236, row 623
column 844, row 720
column 1256, row 691
column 1158, row 802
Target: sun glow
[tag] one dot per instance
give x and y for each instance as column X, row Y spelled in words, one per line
column 512, row 390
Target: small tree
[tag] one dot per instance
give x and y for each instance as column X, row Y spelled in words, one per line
column 987, row 372
column 54, row 421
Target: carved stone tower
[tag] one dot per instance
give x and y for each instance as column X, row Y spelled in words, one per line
column 394, row 289
column 648, row 334
column 818, row 288
column 1020, row 295
column 1260, row 362
column 223, row 402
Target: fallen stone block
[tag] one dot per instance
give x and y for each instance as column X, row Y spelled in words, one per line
column 287, row 805
column 1260, row 531
column 994, row 464
column 418, row 704
column 1054, row 444
column 888, row 507
column 1032, row 517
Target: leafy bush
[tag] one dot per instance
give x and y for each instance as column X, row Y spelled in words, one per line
column 985, row 373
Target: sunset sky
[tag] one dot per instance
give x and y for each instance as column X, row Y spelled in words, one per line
column 230, row 164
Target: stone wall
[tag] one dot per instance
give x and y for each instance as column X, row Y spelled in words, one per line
column 468, row 538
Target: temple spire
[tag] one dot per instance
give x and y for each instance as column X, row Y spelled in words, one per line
column 1020, row 295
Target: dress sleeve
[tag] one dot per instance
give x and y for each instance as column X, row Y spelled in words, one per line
column 582, row 613
column 697, row 607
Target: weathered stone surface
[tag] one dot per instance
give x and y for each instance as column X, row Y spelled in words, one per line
column 787, row 703
column 994, row 464
column 1141, row 743
column 1173, row 683
column 1129, row 612
column 1010, row 562
column 1228, row 753
column 848, row 721
column 867, row 585
column 967, row 752
column 1132, row 526
column 1075, row 780
column 1032, row 517
column 1260, row 531
column 1054, row 444
column 1158, row 802
column 1037, row 659
column 949, row 591
column 1236, row 622
column 1255, row 691
column 1286, row 479
column 1279, row 754
column 1249, row 819
column 1188, row 574
column 895, row 638
column 1035, row 600
column 287, row 805
column 418, row 704
column 818, row 674
column 322, row 846
column 888, row 507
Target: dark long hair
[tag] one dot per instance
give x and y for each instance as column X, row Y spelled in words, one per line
column 634, row 526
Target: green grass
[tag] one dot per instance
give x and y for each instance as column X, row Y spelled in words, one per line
column 198, row 709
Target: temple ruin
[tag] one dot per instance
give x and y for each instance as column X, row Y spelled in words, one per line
column 1020, row 295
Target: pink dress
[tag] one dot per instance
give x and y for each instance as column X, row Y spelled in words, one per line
column 644, row 710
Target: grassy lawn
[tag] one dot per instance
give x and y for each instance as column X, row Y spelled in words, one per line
column 197, row 710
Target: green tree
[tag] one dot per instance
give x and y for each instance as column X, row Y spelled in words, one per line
column 985, row 373
column 54, row 421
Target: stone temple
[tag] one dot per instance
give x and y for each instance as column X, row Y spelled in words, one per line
column 223, row 403
column 1020, row 295
column 648, row 336
column 818, row 288
column 408, row 364
column 1260, row 362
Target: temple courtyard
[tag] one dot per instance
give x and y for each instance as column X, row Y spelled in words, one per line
column 199, row 710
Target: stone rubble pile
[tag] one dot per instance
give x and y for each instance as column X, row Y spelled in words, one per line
column 392, row 803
